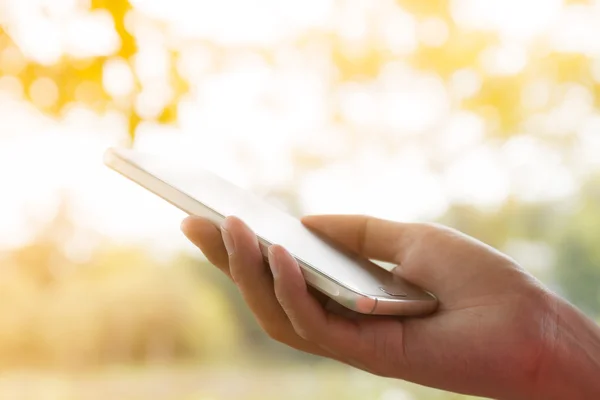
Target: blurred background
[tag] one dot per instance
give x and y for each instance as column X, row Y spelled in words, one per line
column 480, row 115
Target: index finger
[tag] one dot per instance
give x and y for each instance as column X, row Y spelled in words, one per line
column 207, row 237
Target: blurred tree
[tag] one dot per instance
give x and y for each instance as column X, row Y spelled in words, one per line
column 116, row 305
column 578, row 263
column 251, row 333
column 80, row 78
column 514, row 220
column 44, row 260
column 570, row 227
column 498, row 98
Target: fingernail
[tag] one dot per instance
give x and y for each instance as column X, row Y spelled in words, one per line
column 273, row 263
column 227, row 239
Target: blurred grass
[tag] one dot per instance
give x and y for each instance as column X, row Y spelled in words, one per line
column 244, row 381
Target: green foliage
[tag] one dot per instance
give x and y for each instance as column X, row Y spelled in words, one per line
column 571, row 228
column 514, row 220
column 578, row 264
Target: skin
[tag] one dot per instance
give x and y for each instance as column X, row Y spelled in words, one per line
column 497, row 333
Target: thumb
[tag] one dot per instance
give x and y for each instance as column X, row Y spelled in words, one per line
column 376, row 239
column 367, row 236
column 433, row 257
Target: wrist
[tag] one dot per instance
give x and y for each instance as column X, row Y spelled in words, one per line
column 570, row 362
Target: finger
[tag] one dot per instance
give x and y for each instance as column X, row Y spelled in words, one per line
column 435, row 258
column 368, row 236
column 453, row 265
column 204, row 234
column 255, row 282
column 310, row 321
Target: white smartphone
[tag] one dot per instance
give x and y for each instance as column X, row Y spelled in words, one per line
column 354, row 282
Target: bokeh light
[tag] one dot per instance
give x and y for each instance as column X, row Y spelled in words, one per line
column 479, row 114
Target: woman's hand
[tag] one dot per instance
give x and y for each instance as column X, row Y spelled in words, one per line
column 494, row 335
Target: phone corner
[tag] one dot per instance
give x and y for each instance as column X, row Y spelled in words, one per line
column 109, row 156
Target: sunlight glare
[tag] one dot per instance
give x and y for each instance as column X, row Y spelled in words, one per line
column 90, row 35
column 536, row 94
column 12, row 86
column 44, row 92
column 194, row 63
column 38, row 38
column 260, row 101
column 521, row 20
column 358, row 104
column 230, row 22
column 433, row 32
column 596, row 70
column 536, row 170
column 12, row 61
column 478, row 178
column 576, row 105
column 413, row 102
column 151, row 62
column 465, row 83
column 59, row 8
column 45, row 30
column 153, row 99
column 589, row 142
column 397, row 30
column 117, row 77
column 506, row 59
column 578, row 30
column 102, row 200
column 460, row 133
column 401, row 188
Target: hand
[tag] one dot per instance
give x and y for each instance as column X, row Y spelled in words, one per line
column 492, row 335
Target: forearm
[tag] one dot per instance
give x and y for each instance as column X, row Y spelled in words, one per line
column 571, row 368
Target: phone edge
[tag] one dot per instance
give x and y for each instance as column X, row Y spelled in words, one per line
column 349, row 298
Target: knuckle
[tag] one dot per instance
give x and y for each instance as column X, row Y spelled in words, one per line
column 308, row 333
column 235, row 277
column 283, row 302
column 430, row 228
column 303, row 333
column 282, row 297
column 276, row 333
column 433, row 233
